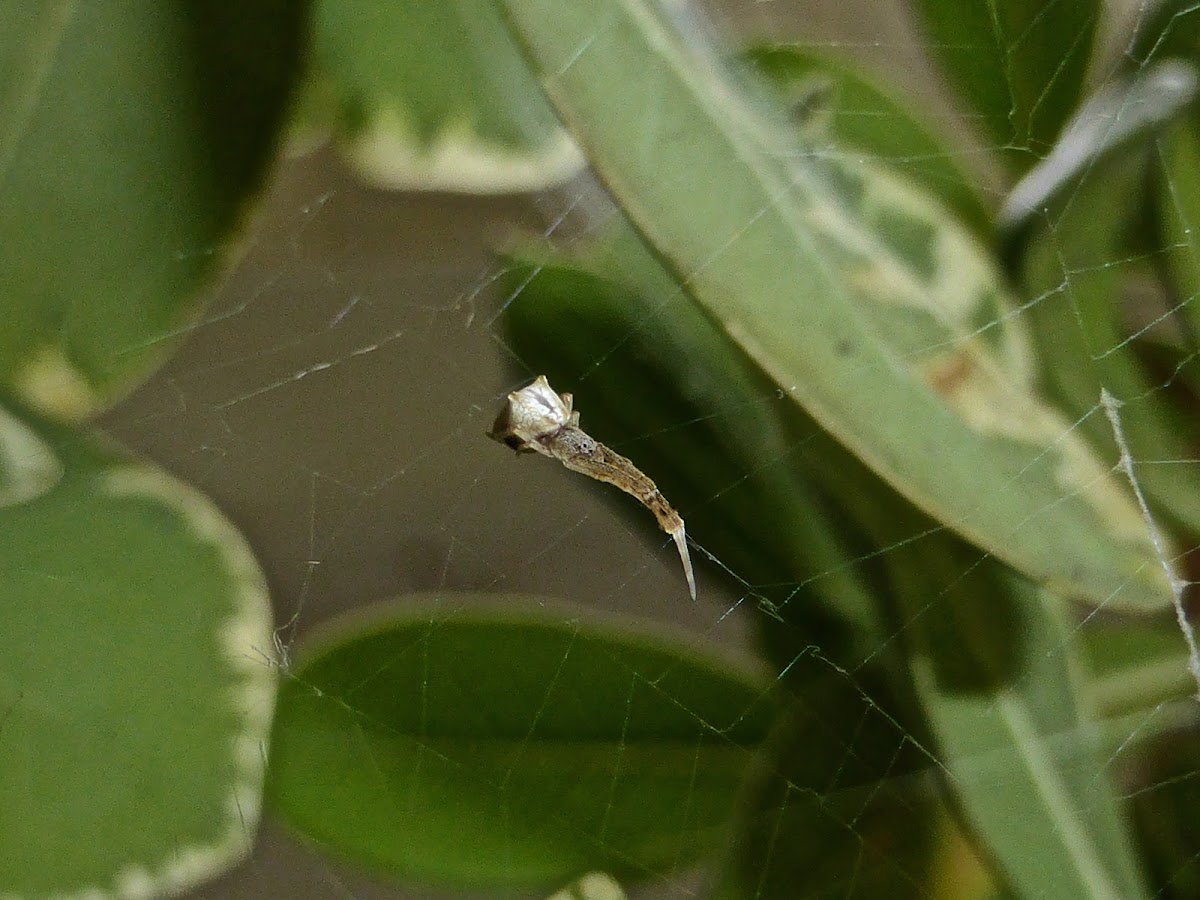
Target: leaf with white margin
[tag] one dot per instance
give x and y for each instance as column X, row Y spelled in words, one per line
column 862, row 117
column 28, row 467
column 136, row 683
column 855, row 294
column 593, row 886
column 133, row 137
column 433, row 96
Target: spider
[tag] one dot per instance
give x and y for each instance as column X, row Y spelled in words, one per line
column 535, row 419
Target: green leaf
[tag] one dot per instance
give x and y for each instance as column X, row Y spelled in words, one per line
column 1074, row 268
column 839, row 808
column 433, row 96
column 1125, row 113
column 855, row 295
column 994, row 668
column 1165, row 796
column 1167, row 29
column 1135, row 668
column 509, row 751
column 864, row 116
column 992, row 664
column 136, row 686
column 1177, row 181
column 132, row 137
column 1019, row 64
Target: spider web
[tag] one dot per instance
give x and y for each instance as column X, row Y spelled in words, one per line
column 334, row 400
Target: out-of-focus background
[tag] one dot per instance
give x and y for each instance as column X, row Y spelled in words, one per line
column 334, row 397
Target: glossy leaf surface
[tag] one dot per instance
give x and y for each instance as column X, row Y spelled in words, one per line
column 136, row 684
column 854, row 113
column 512, row 751
column 851, row 292
column 1019, row 64
column 133, row 138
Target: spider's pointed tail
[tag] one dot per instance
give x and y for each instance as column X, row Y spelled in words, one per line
column 681, row 543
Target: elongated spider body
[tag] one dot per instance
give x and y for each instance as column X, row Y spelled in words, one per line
column 535, row 419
